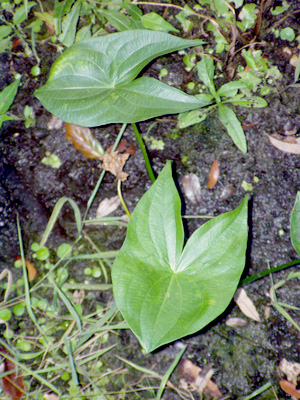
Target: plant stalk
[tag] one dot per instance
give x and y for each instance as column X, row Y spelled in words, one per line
column 121, row 198
column 144, row 151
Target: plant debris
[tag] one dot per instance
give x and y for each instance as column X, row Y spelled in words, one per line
column 114, row 163
column 12, row 384
column 290, row 369
column 84, row 141
column 123, row 146
column 289, row 388
column 214, row 174
column 236, row 322
column 246, row 305
column 198, row 379
column 107, row 206
column 30, row 268
column 289, row 144
column 191, row 187
column 228, row 192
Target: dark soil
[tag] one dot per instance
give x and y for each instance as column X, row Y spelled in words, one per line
column 244, row 358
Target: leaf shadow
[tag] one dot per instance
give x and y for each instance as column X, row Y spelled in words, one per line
column 183, row 202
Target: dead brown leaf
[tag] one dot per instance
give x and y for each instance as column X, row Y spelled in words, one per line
column 199, row 379
column 114, row 163
column 123, row 146
column 289, row 388
column 248, row 126
column 290, row 369
column 84, row 141
column 246, row 305
column 30, row 268
column 214, row 174
column 191, row 187
column 289, row 144
column 12, row 384
column 107, row 206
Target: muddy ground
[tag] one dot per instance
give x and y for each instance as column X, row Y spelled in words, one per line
column 244, row 358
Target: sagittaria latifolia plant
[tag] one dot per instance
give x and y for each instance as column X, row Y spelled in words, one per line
column 166, row 291
column 163, row 291
column 93, row 82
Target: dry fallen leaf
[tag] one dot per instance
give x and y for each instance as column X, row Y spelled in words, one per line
column 123, row 146
column 289, row 144
column 114, row 163
column 78, row 296
column 294, row 60
column 246, row 305
column 267, row 312
column 51, row 396
column 84, row 141
column 248, row 126
column 214, row 174
column 236, row 322
column 290, row 369
column 12, row 384
column 107, row 206
column 199, row 379
column 228, row 192
column 30, row 268
column 191, row 187
column 289, row 388
column 54, row 123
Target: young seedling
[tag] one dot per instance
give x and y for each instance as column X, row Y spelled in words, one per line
column 227, row 93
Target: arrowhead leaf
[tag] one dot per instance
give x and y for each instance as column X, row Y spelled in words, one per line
column 92, row 82
column 164, row 292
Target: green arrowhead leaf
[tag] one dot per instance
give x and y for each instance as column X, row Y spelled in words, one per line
column 233, row 126
column 91, row 83
column 164, row 292
column 295, row 224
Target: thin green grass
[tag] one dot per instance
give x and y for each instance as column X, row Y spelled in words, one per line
column 258, row 391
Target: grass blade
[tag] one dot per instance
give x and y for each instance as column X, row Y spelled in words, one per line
column 168, row 374
column 26, row 283
column 71, row 363
column 67, row 303
column 258, row 391
column 57, row 208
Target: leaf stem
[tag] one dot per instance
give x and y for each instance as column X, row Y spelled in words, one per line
column 268, row 272
column 95, row 191
column 144, row 151
column 121, row 198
